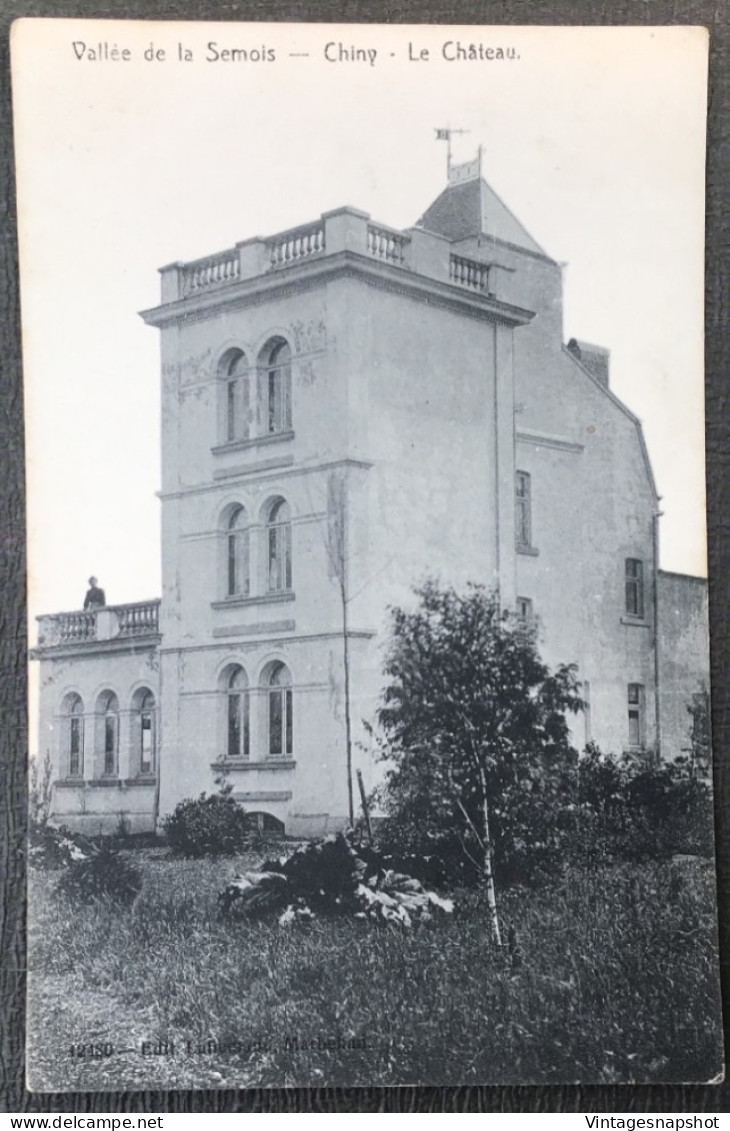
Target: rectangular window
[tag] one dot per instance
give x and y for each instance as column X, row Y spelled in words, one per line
column 237, row 408
column 110, row 744
column 275, row 579
column 275, row 721
column 525, row 614
column 147, row 745
column 232, row 563
column 524, row 610
column 238, row 725
column 289, row 736
column 237, row 564
column 234, row 726
column 636, row 715
column 523, row 510
column 274, row 425
column 279, row 398
column 634, row 587
column 75, row 747
column 279, row 557
column 231, row 410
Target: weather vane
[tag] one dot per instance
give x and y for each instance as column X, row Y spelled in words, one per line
column 446, row 135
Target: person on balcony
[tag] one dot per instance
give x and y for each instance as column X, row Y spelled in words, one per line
column 94, row 598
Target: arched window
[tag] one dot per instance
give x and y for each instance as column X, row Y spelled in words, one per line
column 277, row 388
column 280, row 713
column 237, row 715
column 237, row 570
column 236, row 396
column 278, row 547
column 74, row 710
column 145, row 731
column 108, row 710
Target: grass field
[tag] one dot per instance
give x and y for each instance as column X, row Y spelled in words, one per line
column 616, row 983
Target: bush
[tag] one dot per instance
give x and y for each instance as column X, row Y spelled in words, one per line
column 436, row 858
column 628, row 810
column 214, row 825
column 106, row 874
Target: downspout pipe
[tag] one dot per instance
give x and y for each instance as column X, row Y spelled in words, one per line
column 657, row 665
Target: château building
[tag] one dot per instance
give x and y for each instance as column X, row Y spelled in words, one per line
column 348, row 409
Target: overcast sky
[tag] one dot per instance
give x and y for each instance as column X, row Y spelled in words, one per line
column 593, row 136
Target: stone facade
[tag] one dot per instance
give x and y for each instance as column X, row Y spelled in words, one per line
column 99, row 715
column 346, row 411
column 683, row 656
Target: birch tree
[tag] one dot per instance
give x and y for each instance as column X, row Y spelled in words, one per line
column 474, row 727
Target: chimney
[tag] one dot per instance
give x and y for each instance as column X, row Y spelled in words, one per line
column 593, row 358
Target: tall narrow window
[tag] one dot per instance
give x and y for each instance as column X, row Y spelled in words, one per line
column 110, row 733
column 634, row 587
column 237, row 574
column 523, row 510
column 278, row 532
column 236, row 383
column 525, row 614
column 277, row 391
column 636, row 715
column 237, row 715
column 147, row 733
column 75, row 709
column 281, row 722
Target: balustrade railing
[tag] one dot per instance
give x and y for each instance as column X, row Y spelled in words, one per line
column 213, row 271
column 386, row 244
column 469, row 273
column 138, row 619
column 108, row 622
column 76, row 626
column 295, row 245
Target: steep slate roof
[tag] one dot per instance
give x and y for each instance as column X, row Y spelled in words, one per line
column 472, row 208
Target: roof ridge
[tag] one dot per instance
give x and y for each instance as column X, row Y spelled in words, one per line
column 514, row 216
column 472, row 209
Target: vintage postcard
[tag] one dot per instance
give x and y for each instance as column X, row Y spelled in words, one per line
column 370, row 681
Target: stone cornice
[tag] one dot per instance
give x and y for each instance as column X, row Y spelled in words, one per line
column 84, row 648
column 546, row 440
column 288, row 281
column 298, row 638
column 275, row 474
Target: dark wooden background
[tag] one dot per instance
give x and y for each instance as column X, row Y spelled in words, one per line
column 13, row 634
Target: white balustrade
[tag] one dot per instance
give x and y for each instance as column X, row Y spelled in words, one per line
column 76, row 626
column 214, row 271
column 386, row 244
column 469, row 273
column 104, row 623
column 295, row 245
column 137, row 619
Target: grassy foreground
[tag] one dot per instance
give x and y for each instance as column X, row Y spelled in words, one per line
column 616, row 983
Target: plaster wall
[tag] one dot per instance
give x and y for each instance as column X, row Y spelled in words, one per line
column 93, row 801
column 684, row 655
column 593, row 507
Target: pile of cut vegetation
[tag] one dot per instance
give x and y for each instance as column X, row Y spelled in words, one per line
column 334, row 876
column 89, row 871
column 51, row 847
